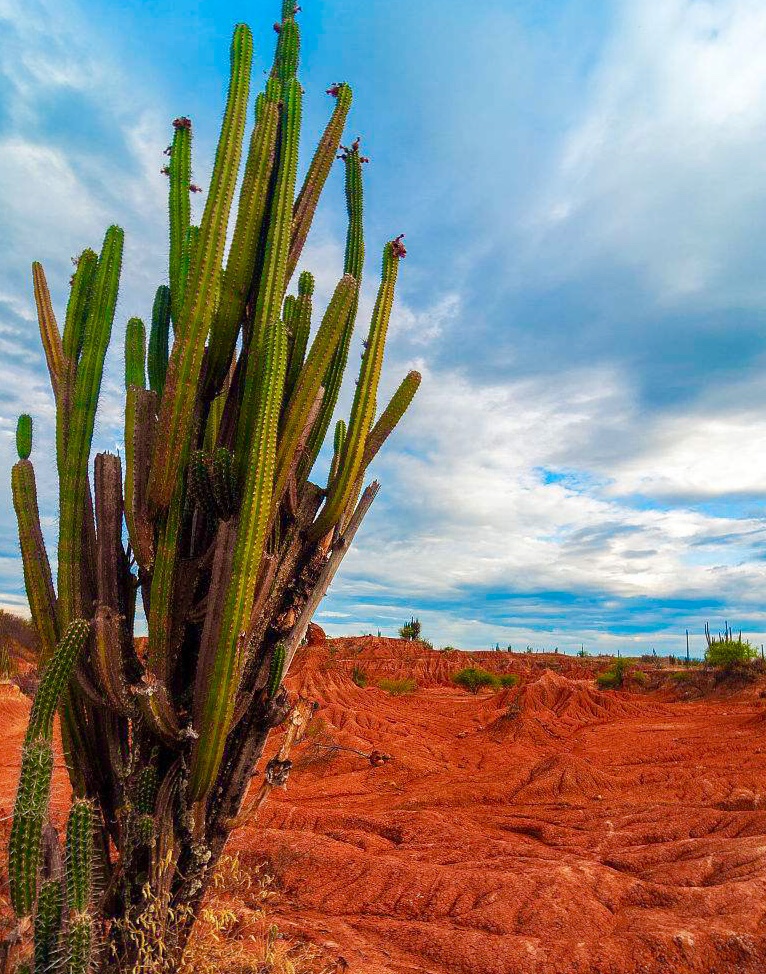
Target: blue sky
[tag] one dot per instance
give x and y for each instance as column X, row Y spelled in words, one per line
column 583, row 189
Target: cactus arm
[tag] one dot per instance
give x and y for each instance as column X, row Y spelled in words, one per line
column 73, row 489
column 72, row 344
column 316, row 177
column 353, row 264
column 79, row 944
column 179, row 395
column 77, row 308
column 224, row 487
column 301, row 331
column 55, row 680
column 179, row 204
column 48, row 924
column 49, row 329
column 276, row 670
column 363, row 408
column 201, row 484
column 161, row 621
column 273, row 277
column 221, row 652
column 158, row 339
column 190, row 244
column 288, row 48
column 30, row 812
column 31, row 807
column 327, row 573
column 338, row 440
column 106, row 657
column 106, row 650
column 240, row 265
column 37, row 570
column 310, row 378
column 140, row 425
column 109, row 510
column 24, row 436
column 79, row 855
column 390, row 416
column 135, row 354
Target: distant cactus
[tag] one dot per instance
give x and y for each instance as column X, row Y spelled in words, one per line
column 230, row 545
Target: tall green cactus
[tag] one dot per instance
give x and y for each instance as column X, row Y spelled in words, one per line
column 230, row 547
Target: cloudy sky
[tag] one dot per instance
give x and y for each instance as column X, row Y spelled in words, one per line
column 582, row 184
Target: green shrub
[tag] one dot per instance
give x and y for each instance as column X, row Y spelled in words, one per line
column 398, row 688
column 613, row 678
column 682, row 676
column 359, row 676
column 473, row 678
column 411, row 630
column 730, row 654
column 638, row 676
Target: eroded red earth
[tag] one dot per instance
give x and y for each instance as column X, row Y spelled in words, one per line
column 554, row 828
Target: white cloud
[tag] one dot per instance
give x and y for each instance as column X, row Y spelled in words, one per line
column 664, row 171
column 476, row 510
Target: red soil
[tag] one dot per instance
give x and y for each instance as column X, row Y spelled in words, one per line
column 554, row 828
column 551, row 828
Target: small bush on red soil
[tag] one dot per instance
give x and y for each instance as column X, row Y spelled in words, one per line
column 730, row 654
column 613, row 678
column 359, row 676
column 474, row 678
column 398, row 688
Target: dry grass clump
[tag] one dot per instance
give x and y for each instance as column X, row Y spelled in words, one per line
column 235, row 933
column 398, row 688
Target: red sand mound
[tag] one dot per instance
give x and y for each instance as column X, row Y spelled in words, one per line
column 550, row 828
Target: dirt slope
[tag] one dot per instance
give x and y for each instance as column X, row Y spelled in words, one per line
column 550, row 828
column 553, row 828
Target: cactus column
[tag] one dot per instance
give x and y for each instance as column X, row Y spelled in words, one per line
column 216, row 527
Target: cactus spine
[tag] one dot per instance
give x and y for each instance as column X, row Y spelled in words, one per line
column 230, row 547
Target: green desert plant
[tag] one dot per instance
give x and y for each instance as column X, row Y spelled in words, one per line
column 231, row 547
column 474, row 678
column 398, row 688
column 614, row 677
column 726, row 653
column 359, row 676
column 410, row 630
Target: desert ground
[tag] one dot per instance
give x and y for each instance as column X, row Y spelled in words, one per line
column 553, row 827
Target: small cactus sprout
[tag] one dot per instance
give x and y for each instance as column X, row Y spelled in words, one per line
column 207, row 522
column 24, row 436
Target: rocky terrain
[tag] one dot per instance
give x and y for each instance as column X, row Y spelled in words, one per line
column 551, row 827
